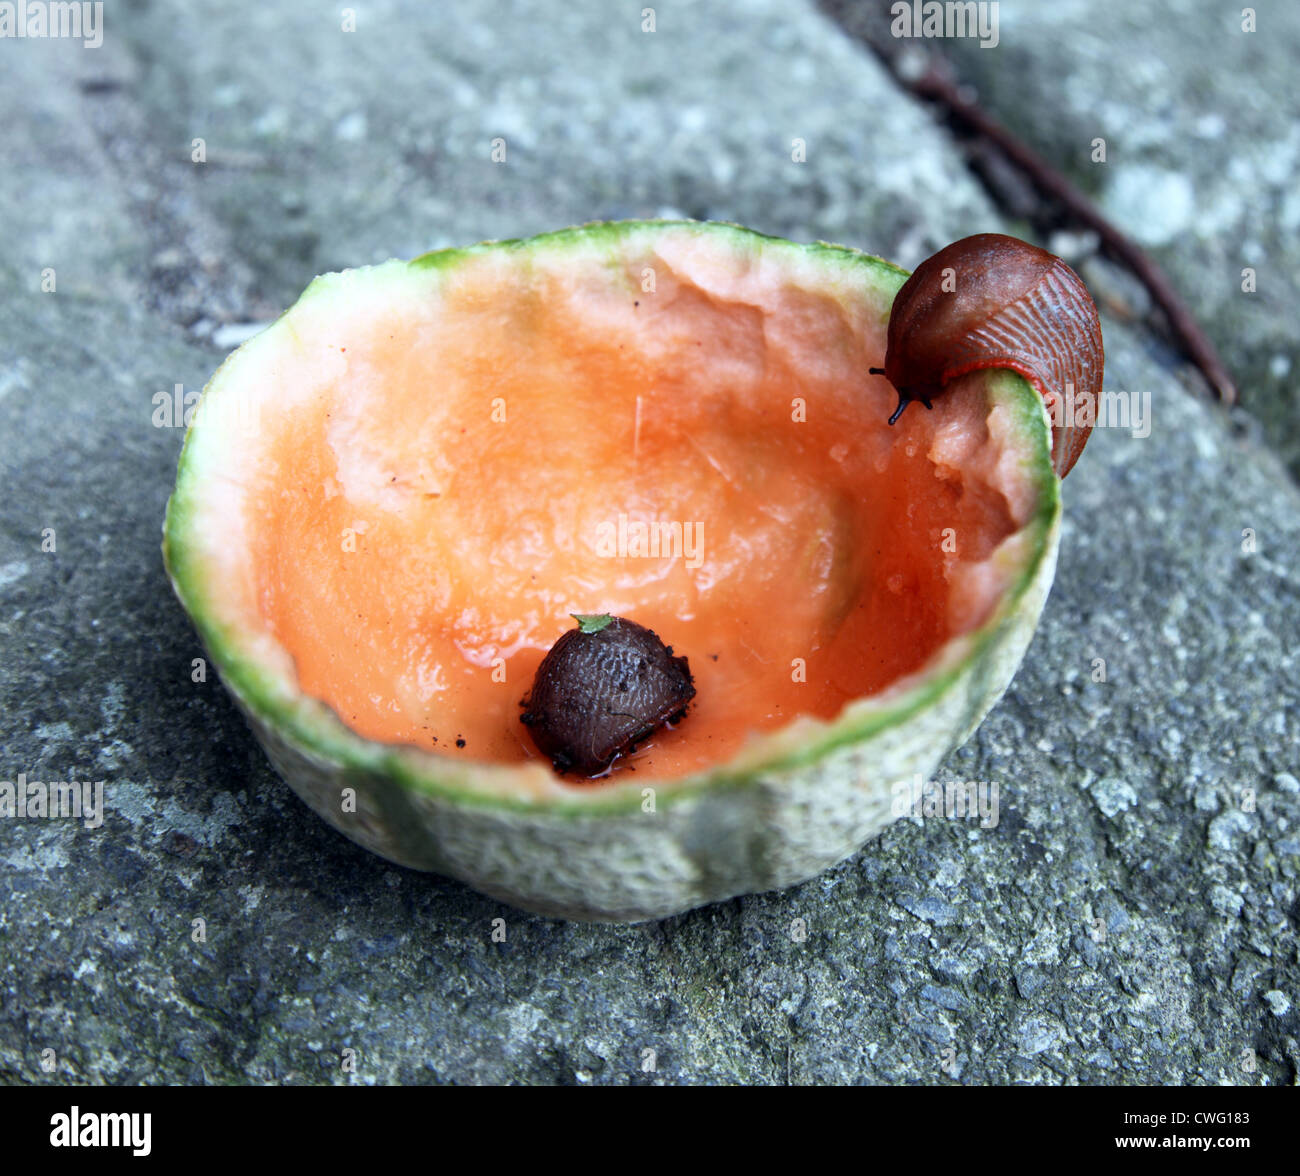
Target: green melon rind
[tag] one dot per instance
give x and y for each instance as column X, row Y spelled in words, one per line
column 595, row 852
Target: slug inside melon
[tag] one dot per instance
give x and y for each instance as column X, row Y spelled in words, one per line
column 393, row 501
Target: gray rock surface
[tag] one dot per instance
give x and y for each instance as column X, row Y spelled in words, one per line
column 1132, row 916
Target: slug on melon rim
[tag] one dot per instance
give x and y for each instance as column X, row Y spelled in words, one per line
column 992, row 301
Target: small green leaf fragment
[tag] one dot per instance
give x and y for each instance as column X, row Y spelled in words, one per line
column 592, row 622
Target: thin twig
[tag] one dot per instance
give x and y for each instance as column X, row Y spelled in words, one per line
column 937, row 85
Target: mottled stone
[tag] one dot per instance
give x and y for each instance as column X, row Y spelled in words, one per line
column 1152, row 943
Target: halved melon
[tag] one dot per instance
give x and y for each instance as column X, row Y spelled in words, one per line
column 391, row 502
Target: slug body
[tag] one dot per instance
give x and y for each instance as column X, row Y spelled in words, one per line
column 603, row 688
column 992, row 301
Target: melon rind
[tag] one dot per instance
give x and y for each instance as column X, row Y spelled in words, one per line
column 796, row 802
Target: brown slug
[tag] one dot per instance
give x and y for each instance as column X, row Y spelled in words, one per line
column 991, row 301
column 603, row 688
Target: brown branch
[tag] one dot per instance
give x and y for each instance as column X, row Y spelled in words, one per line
column 935, row 84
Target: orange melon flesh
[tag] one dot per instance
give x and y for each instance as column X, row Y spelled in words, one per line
column 453, row 466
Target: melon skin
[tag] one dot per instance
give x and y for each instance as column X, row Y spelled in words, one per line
column 637, row 849
column 724, row 837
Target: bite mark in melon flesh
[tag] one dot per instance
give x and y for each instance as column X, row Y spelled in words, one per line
column 479, row 431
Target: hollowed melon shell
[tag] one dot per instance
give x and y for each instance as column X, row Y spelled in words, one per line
column 633, row 848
